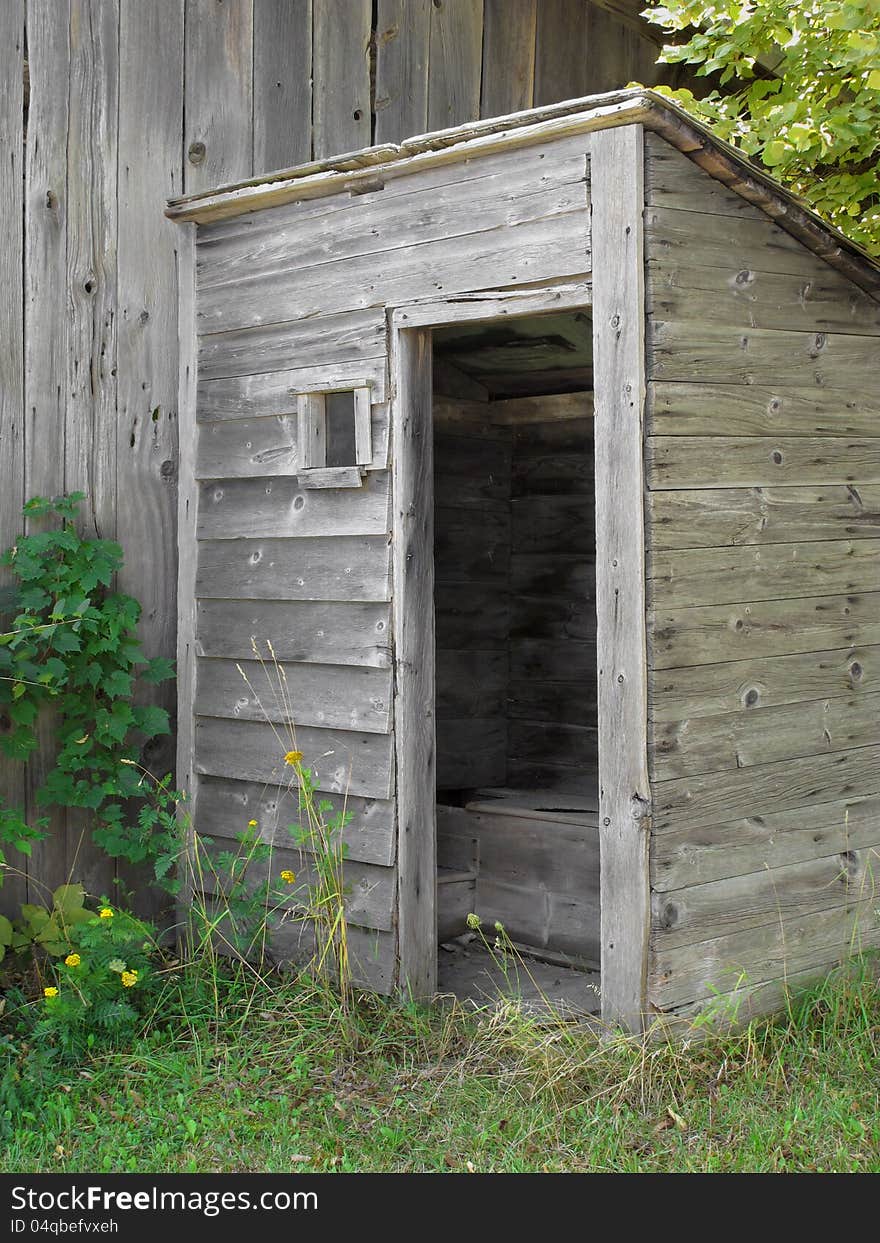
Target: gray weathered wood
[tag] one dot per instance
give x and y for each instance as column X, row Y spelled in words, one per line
column 625, row 794
column 771, row 952
column 738, row 740
column 508, row 80
column 749, row 298
column 218, row 73
column 672, row 180
column 341, row 760
column 706, row 239
column 311, row 632
column 402, row 35
column 187, row 567
column 226, row 806
column 330, row 697
column 560, row 743
column 697, row 855
column 715, row 908
column 369, row 891
column 341, row 68
column 414, row 736
column 764, row 572
column 470, row 682
column 727, row 355
column 732, row 461
column 703, row 690
column 282, row 83
column 717, row 633
column 688, row 409
column 92, row 145
column 299, row 343
column 12, row 409
column 238, row 508
column 765, row 788
column 150, row 159
column 454, row 62
column 552, row 701
column 562, row 56
column 711, row 517
column 343, row 568
column 274, row 392
column 471, row 752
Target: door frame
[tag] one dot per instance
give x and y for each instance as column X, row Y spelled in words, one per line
column 412, row 533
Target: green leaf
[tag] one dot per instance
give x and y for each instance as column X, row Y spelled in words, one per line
column 68, row 899
column 774, row 152
column 6, row 932
column 873, row 80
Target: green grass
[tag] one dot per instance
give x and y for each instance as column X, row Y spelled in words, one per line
column 248, row 1074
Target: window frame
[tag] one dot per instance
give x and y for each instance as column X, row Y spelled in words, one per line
column 311, row 411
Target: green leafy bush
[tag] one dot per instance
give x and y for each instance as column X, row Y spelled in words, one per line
column 72, row 644
column 815, row 119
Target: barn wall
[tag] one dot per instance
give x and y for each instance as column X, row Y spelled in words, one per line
column 129, row 102
column 763, row 505
column 306, row 287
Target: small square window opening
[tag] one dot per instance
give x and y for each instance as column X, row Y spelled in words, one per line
column 334, row 437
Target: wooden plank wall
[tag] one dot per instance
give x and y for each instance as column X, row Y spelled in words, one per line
column 311, row 571
column 134, row 101
column 552, row 651
column 763, row 470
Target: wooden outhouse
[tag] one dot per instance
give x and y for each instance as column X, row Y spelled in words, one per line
column 545, row 451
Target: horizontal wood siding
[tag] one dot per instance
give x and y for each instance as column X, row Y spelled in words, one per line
column 762, row 460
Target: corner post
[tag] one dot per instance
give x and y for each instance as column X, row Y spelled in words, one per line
column 412, row 484
column 617, row 188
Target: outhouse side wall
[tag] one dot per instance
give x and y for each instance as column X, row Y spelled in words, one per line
column 291, row 299
column 763, row 529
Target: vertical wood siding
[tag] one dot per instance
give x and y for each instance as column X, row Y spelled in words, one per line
column 130, row 102
column 763, row 470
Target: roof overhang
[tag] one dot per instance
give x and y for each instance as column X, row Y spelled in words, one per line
column 355, row 172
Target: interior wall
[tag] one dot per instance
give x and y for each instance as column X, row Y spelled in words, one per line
column 472, row 531
column 551, row 703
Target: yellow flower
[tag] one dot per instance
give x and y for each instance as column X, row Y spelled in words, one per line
column 129, row 978
column 50, row 992
column 105, row 912
column 293, row 757
column 288, row 877
column 252, row 824
column 72, row 960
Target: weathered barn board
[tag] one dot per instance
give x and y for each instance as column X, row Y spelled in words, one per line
column 705, row 690
column 756, row 628
column 342, row 761
column 715, row 517
column 323, row 568
column 454, row 62
column 706, row 239
column 737, row 903
column 227, row 805
column 273, row 392
column 218, row 108
column 508, row 78
column 697, row 855
column 724, row 354
column 402, row 35
column 757, row 461
column 310, row 632
column 737, row 740
column 774, row 951
column 337, row 697
column 689, row 409
column 341, row 75
column 695, row 576
column 238, row 508
column 12, row 410
column 282, row 83
column 346, row 337
column 765, row 788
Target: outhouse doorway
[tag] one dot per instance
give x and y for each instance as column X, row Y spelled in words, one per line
column 499, row 435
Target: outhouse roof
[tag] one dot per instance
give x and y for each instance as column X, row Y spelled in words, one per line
column 354, row 172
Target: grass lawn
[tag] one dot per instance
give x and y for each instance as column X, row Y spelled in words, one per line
column 236, row 1073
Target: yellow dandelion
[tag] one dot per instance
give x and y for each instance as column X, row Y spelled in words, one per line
column 50, row 992
column 72, row 960
column 129, row 979
column 105, row 912
column 288, row 877
column 293, row 757
column 252, row 824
